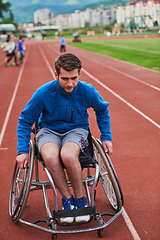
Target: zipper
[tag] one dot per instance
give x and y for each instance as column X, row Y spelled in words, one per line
column 71, row 115
column 66, row 106
column 66, row 112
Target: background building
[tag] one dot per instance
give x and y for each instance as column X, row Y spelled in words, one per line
column 44, row 16
column 89, row 17
column 136, row 14
column 143, row 14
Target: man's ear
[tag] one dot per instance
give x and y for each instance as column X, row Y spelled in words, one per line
column 56, row 75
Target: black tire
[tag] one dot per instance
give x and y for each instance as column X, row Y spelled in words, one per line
column 20, row 186
column 106, row 177
column 54, row 236
column 100, row 233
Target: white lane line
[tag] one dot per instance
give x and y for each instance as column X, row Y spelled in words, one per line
column 122, row 99
column 124, row 214
column 130, row 225
column 125, row 74
column 48, row 65
column 12, row 101
column 55, row 50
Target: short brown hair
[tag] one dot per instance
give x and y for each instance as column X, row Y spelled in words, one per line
column 68, row 62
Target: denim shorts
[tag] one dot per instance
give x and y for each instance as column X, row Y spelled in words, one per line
column 77, row 135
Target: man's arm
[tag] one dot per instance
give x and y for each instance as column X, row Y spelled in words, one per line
column 103, row 118
column 27, row 118
column 22, row 160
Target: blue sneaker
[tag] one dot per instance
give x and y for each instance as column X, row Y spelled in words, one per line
column 68, row 204
column 81, row 203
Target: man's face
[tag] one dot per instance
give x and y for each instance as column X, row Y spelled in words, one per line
column 68, row 80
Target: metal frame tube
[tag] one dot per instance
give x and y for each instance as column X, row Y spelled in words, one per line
column 74, row 230
column 87, row 192
column 53, row 188
column 46, row 201
column 36, row 169
column 94, row 184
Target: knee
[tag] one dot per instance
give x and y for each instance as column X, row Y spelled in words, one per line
column 68, row 159
column 47, row 157
column 50, row 152
column 51, row 159
column 70, row 154
column 65, row 156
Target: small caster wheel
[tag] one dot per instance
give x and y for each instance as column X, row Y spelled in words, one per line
column 54, row 236
column 100, row 233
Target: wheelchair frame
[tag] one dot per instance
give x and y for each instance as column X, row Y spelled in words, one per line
column 22, row 184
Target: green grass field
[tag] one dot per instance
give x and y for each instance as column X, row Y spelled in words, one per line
column 144, row 52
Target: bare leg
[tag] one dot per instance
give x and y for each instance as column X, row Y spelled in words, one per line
column 69, row 154
column 50, row 153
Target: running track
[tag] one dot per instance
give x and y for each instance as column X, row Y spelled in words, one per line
column 134, row 96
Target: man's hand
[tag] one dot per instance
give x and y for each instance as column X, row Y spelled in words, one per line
column 22, row 160
column 108, row 147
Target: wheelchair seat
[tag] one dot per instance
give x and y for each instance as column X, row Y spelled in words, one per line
column 85, row 156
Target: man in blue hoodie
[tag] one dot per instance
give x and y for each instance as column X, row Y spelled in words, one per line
column 61, row 106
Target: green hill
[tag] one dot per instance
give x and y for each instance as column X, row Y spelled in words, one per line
column 24, row 11
column 106, row 3
column 25, row 14
column 17, row 3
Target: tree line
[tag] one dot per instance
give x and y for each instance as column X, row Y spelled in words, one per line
column 5, row 8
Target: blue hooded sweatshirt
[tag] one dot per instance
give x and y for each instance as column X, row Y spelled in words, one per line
column 61, row 111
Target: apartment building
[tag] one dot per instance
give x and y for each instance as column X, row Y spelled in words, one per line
column 143, row 13
column 154, row 10
column 62, row 21
column 44, row 16
column 90, row 17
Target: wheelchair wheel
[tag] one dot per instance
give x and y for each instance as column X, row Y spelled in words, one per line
column 20, row 186
column 114, row 172
column 107, row 177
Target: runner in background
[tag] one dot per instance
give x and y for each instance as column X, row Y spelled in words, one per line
column 6, row 47
column 12, row 52
column 63, row 44
column 21, row 49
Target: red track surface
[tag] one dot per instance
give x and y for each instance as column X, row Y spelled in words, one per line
column 135, row 117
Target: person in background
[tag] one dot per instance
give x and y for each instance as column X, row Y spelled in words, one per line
column 63, row 44
column 21, row 49
column 6, row 47
column 12, row 52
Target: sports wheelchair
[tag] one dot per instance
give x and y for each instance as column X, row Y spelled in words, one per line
column 99, row 173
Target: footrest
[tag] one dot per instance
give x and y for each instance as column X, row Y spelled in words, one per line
column 74, row 212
